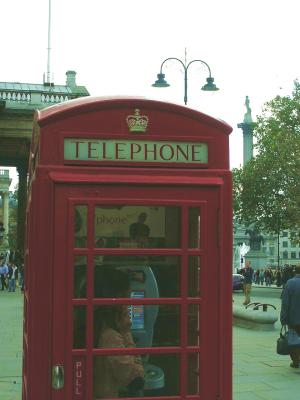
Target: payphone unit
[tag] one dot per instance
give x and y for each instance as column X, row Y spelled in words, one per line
column 144, row 285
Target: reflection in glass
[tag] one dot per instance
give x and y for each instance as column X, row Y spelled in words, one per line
column 194, row 276
column 167, row 326
column 137, row 227
column 194, row 227
column 193, row 325
column 127, row 376
column 110, row 281
column 167, row 375
column 80, row 266
column 193, row 374
column 79, row 327
column 144, row 272
column 80, row 226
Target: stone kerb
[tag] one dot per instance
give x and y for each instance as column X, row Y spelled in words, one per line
column 254, row 318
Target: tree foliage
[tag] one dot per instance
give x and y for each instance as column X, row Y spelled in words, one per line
column 267, row 188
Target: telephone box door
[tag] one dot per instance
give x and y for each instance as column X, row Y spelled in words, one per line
column 172, row 231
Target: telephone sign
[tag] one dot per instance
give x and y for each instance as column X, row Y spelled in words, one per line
column 134, row 150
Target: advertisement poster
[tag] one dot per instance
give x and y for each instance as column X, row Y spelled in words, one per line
column 124, row 223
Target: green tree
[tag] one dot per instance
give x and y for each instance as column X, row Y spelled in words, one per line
column 267, row 188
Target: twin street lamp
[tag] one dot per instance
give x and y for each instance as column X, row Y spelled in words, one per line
column 161, row 82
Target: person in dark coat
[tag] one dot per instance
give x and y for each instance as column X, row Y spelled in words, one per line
column 287, row 274
column 290, row 311
column 278, row 277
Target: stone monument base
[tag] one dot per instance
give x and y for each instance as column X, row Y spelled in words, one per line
column 258, row 259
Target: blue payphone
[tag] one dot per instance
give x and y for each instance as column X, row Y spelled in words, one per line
column 143, row 284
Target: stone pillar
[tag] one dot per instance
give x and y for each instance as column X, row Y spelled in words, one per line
column 247, row 141
column 5, row 198
column 247, row 127
column 2, row 233
column 22, row 203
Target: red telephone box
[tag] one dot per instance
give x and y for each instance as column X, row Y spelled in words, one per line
column 129, row 216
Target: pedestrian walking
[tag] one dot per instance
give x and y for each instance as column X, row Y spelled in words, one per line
column 12, row 277
column 290, row 312
column 256, row 277
column 21, row 277
column 3, row 274
column 278, row 277
column 248, row 276
column 268, row 277
column 261, row 276
column 287, row 274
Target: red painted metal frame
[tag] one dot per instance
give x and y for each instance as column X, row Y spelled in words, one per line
column 90, row 302
column 48, row 241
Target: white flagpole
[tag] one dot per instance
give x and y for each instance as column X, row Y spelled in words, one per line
column 49, row 44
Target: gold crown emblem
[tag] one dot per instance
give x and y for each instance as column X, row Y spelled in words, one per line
column 137, row 122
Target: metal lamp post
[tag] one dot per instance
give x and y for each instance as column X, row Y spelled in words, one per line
column 161, row 82
column 278, row 255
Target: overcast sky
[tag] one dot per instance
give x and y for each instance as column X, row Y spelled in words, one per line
column 117, row 46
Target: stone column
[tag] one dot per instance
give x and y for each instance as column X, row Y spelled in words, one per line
column 2, row 226
column 247, row 127
column 22, row 202
column 247, row 141
column 5, row 198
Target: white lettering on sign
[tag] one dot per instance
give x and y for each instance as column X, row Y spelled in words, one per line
column 135, row 151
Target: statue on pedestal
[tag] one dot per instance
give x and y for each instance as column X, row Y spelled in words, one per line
column 255, row 238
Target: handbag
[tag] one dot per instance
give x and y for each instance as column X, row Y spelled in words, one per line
column 293, row 338
column 282, row 342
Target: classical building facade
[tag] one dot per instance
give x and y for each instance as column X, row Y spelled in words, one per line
column 18, row 101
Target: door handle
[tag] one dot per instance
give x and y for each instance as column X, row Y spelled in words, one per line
column 58, row 377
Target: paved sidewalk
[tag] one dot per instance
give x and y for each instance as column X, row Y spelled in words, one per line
column 256, row 285
column 259, row 373
column 11, row 343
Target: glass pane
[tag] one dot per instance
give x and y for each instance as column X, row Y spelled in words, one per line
column 194, row 227
column 110, row 281
column 136, row 325
column 193, row 373
column 80, row 226
column 129, row 376
column 80, row 266
column 156, row 276
column 193, row 325
column 137, row 226
column 79, row 327
column 194, row 287
column 167, row 326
